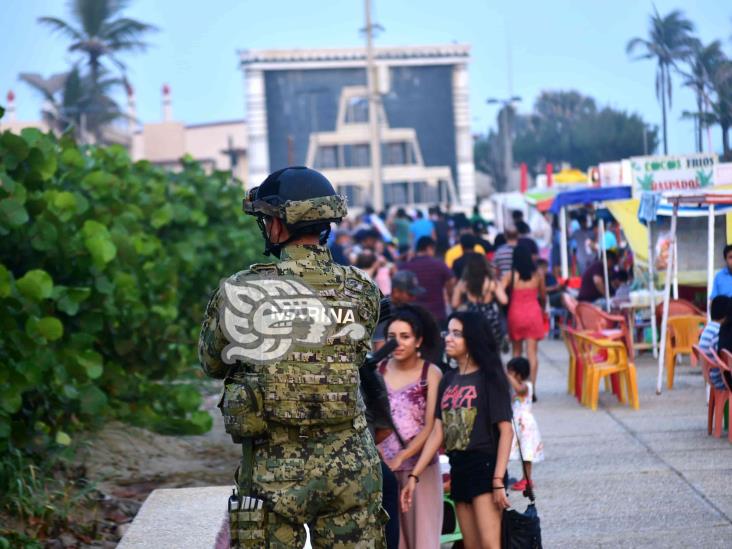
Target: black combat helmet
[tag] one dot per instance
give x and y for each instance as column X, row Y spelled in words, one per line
column 301, row 198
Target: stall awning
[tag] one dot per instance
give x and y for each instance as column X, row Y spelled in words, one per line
column 570, row 176
column 703, row 198
column 588, row 196
column 540, row 199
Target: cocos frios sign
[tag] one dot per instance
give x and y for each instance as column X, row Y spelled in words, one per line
column 672, row 173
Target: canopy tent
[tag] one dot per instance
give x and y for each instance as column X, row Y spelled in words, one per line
column 540, row 199
column 587, row 196
column 710, row 201
column 570, row 175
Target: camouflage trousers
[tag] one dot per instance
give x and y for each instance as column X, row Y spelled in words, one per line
column 329, row 480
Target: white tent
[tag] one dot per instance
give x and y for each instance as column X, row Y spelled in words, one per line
column 708, row 202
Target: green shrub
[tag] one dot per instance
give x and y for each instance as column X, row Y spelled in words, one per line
column 105, row 268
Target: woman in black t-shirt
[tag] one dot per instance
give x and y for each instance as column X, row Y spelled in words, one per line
column 473, row 420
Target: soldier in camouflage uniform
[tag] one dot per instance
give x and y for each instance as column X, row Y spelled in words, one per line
column 291, row 394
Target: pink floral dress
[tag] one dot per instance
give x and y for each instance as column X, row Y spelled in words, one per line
column 528, row 431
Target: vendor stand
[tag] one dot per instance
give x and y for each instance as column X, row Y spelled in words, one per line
column 710, row 201
column 586, row 196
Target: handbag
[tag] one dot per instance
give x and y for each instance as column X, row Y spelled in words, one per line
column 521, row 530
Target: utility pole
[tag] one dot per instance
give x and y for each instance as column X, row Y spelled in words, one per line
column 507, row 138
column 645, row 140
column 507, row 148
column 377, row 190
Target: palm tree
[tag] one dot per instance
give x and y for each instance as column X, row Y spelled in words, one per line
column 99, row 30
column 68, row 104
column 669, row 40
column 721, row 109
column 703, row 65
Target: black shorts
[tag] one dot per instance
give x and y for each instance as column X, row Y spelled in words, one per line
column 471, row 474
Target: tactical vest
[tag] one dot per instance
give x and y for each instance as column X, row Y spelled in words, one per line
column 308, row 386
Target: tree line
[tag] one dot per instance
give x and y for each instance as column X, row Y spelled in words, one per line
column 568, row 127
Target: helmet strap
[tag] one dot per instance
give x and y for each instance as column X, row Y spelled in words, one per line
column 271, row 248
column 325, row 235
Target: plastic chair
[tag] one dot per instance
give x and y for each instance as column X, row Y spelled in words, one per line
column 568, row 338
column 594, row 318
column 450, row 522
column 450, row 532
column 726, row 360
column 616, row 362
column 589, row 356
column 678, row 307
column 717, row 397
column 683, row 334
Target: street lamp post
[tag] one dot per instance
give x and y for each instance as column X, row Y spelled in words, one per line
column 507, row 137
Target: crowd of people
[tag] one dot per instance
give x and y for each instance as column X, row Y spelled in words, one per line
column 488, row 291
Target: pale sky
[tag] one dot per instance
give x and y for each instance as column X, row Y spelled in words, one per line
column 562, row 44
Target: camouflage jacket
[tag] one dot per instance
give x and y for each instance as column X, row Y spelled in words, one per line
column 293, row 334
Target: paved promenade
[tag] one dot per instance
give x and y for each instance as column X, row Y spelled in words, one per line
column 623, row 478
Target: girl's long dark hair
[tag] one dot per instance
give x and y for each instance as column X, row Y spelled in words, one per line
column 481, row 345
column 523, row 263
column 475, row 271
column 423, row 326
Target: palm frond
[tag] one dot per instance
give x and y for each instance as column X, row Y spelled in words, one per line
column 635, row 43
column 91, row 14
column 125, row 29
column 33, row 81
column 62, row 27
column 126, row 45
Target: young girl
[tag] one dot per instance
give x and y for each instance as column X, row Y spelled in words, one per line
column 532, row 448
column 473, row 419
column 412, row 384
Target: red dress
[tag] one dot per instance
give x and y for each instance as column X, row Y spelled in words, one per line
column 525, row 319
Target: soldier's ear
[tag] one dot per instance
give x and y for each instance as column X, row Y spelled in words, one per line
column 278, row 232
column 284, row 233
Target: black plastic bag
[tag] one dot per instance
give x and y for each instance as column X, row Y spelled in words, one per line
column 521, row 530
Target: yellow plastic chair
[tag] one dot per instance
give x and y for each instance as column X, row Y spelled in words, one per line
column 572, row 373
column 683, row 334
column 590, row 356
column 603, row 358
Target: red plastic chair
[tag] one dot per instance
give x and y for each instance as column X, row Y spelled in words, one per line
column 717, row 397
column 726, row 361
column 678, row 307
column 591, row 317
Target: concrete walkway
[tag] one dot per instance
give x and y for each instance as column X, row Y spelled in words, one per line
column 623, row 478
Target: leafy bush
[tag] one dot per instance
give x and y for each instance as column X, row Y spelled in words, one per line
column 105, row 267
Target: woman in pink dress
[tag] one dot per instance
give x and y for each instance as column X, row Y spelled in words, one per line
column 526, row 301
column 412, row 384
